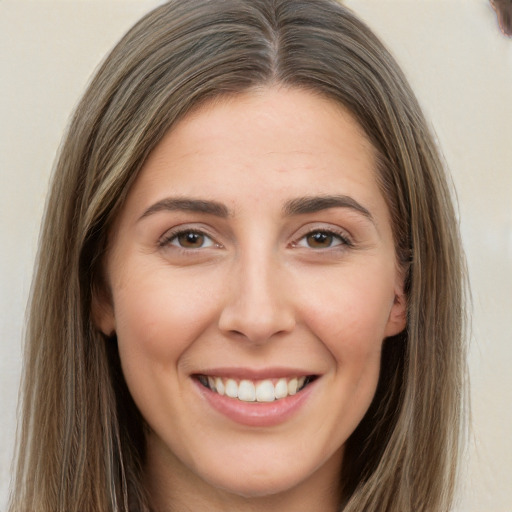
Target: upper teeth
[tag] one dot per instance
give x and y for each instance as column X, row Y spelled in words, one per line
column 259, row 391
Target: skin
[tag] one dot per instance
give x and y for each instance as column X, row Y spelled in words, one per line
column 260, row 287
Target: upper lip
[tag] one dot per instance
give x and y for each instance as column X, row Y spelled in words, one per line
column 255, row 373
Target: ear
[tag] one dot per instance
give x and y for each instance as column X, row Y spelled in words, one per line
column 102, row 312
column 397, row 319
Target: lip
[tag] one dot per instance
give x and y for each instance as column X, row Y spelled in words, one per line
column 256, row 414
column 256, row 374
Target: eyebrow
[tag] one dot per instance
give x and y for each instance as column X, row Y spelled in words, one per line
column 313, row 204
column 190, row 205
column 297, row 206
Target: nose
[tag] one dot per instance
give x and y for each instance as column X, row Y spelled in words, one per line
column 258, row 305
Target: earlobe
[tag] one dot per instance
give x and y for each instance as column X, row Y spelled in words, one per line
column 397, row 320
column 102, row 314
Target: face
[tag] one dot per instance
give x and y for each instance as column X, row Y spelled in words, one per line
column 253, row 280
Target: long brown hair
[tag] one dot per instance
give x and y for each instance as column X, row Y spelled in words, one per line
column 81, row 443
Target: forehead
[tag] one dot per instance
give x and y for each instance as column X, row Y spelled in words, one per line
column 270, row 144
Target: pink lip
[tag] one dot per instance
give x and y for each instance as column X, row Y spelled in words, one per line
column 257, row 414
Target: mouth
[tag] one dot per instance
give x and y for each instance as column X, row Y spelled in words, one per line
column 263, row 391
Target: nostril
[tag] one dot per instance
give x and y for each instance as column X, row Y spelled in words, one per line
column 256, row 327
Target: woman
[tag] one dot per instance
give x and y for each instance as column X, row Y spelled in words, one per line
column 249, row 292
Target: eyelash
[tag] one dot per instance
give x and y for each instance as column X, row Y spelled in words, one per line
column 342, row 238
column 169, row 238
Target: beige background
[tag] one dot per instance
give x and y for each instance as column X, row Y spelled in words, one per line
column 461, row 68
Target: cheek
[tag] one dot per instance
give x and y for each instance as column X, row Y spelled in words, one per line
column 351, row 312
column 349, row 316
column 157, row 321
column 158, row 311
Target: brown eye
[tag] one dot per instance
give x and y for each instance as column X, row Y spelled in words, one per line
column 320, row 240
column 188, row 240
column 323, row 240
column 191, row 240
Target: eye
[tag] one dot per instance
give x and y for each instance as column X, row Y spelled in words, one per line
column 188, row 239
column 322, row 239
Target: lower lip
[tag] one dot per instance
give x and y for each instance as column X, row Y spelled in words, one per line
column 257, row 414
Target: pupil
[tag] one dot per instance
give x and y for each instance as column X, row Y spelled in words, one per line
column 191, row 240
column 320, row 240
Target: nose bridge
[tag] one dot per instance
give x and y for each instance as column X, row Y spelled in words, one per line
column 258, row 306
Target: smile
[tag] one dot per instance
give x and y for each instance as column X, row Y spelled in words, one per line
column 268, row 390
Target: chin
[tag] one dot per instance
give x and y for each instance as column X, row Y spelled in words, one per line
column 250, row 485
column 276, row 476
